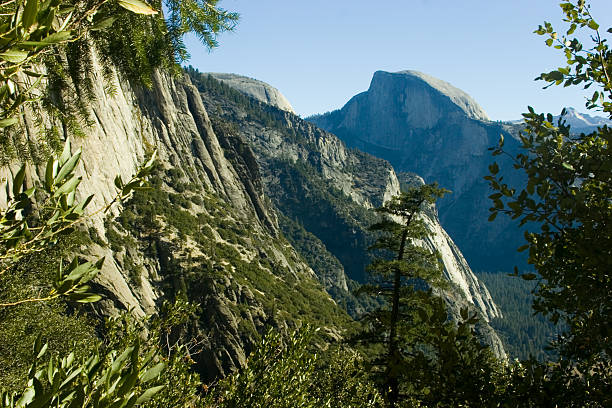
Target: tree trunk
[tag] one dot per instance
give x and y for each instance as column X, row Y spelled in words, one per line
column 392, row 380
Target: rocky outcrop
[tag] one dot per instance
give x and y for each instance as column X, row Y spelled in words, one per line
column 257, row 89
column 426, row 126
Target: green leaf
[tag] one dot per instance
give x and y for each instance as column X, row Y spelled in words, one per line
column 593, row 25
column 65, row 153
column 57, row 38
column 42, row 351
column 33, row 74
column 14, row 56
column 568, row 166
column 29, row 13
column 30, row 192
column 84, row 297
column 18, row 181
column 116, row 366
column 149, row 163
column 81, row 206
column 26, row 398
column 148, row 394
column 528, row 276
column 494, row 168
column 77, row 271
column 49, row 174
column 153, row 372
column 71, row 377
column 492, row 216
column 99, row 263
column 102, row 24
column 37, row 344
column 131, row 402
column 67, row 167
column 128, row 382
column 8, row 122
column 67, row 186
column 129, row 187
column 137, row 6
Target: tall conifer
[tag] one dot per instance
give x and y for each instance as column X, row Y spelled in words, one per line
column 404, row 275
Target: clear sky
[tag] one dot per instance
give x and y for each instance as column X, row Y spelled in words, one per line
column 320, row 53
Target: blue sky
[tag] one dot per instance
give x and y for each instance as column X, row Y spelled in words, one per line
column 319, row 53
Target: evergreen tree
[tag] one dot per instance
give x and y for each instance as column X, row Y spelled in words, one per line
column 404, row 276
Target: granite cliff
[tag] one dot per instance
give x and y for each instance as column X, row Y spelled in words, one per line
column 205, row 231
column 424, row 125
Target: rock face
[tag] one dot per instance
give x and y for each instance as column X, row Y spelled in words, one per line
column 256, row 89
column 329, row 190
column 428, row 127
column 456, row 268
column 206, row 230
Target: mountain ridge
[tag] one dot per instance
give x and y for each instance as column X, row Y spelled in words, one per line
column 300, row 162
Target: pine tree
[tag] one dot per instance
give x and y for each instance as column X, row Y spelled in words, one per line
column 404, row 276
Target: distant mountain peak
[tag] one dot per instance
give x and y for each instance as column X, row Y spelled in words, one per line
column 582, row 120
column 255, row 88
column 578, row 121
column 458, row 97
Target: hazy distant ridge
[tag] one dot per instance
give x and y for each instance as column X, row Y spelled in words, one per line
column 579, row 122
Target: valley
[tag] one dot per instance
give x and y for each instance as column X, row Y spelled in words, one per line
column 176, row 237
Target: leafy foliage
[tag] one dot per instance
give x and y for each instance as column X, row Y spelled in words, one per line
column 567, row 197
column 586, row 67
column 200, row 17
column 127, row 370
column 566, row 202
column 34, row 220
column 49, row 49
column 450, row 367
column 27, row 227
column 31, row 29
column 282, row 372
column 65, row 382
column 60, row 324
